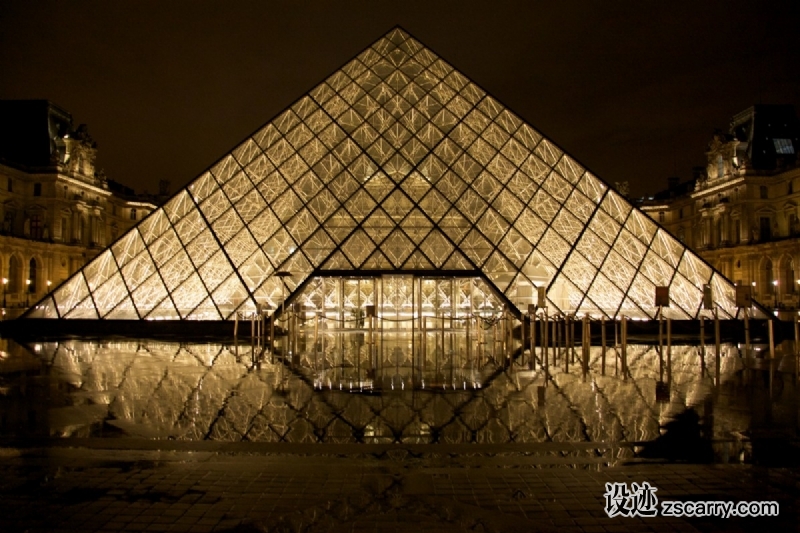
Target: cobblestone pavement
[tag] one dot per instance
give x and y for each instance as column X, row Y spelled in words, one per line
column 99, row 485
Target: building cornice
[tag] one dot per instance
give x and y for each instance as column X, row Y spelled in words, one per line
column 718, row 188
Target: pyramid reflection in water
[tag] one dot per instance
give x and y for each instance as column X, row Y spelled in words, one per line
column 215, row 392
column 395, row 164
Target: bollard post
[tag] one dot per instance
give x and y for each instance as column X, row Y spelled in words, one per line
column 717, row 349
column 669, row 350
column 746, row 333
column 603, row 343
column 585, row 344
column 545, row 347
column 469, row 343
column 797, row 349
column 566, row 344
column 572, row 337
column 532, row 325
column 624, row 333
column 660, row 343
column 702, row 346
column 771, row 355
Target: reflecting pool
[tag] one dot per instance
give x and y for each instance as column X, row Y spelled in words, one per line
column 164, row 390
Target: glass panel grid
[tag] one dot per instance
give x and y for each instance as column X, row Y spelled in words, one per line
column 397, row 161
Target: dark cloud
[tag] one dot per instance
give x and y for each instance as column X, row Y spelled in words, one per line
column 631, row 89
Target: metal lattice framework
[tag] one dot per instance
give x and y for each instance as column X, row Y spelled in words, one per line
column 395, row 163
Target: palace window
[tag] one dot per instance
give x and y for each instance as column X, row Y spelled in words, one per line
column 36, row 226
column 133, row 214
column 37, row 189
column 783, row 146
column 32, row 275
column 13, row 275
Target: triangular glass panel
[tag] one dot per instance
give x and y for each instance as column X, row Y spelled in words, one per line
column 378, row 225
column 148, row 294
column 418, row 261
column 44, row 309
column 214, row 271
column 377, row 261
column 100, row 269
column 123, row 311
column 337, row 262
column 85, row 309
column 229, row 295
column 189, row 294
column 70, row 293
column 358, row 247
column 457, row 261
column 397, row 247
column 164, row 310
column 110, row 293
column 437, row 247
column 205, row 311
column 318, row 247
column 416, row 225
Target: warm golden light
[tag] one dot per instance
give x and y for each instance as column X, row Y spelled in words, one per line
column 494, row 200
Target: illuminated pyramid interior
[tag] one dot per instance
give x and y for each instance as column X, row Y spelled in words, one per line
column 396, row 183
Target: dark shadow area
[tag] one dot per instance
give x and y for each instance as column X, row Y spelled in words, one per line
column 684, row 438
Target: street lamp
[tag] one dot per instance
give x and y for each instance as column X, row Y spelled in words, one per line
column 27, row 292
column 5, row 285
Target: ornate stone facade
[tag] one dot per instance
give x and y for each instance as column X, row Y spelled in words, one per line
column 741, row 212
column 57, row 210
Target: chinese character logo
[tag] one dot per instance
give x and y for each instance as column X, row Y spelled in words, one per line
column 640, row 500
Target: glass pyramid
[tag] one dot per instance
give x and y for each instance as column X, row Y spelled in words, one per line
column 397, row 163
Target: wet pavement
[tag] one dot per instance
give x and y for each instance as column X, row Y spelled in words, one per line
column 84, row 485
column 150, row 436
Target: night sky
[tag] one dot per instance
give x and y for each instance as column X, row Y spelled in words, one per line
column 632, row 92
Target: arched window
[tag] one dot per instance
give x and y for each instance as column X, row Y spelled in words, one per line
column 13, row 275
column 788, row 281
column 768, row 286
column 33, row 272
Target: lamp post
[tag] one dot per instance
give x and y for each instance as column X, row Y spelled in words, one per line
column 5, row 285
column 27, row 292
